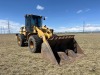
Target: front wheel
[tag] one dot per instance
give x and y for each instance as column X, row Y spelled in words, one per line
column 34, row 43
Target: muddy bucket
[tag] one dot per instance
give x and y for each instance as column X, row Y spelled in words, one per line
column 61, row 49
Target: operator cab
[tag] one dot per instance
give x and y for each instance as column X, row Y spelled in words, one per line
column 32, row 20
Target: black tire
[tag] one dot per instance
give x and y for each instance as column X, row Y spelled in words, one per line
column 21, row 40
column 34, row 43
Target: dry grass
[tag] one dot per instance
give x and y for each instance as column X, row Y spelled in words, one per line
column 15, row 60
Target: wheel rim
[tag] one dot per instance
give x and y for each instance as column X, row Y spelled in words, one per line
column 31, row 44
column 18, row 40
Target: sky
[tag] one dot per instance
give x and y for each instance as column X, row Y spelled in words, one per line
column 61, row 15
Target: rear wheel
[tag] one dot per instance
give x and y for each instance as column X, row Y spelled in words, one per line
column 34, row 43
column 20, row 40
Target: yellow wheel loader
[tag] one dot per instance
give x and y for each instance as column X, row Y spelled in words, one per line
column 54, row 48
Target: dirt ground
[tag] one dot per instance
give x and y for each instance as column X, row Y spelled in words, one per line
column 15, row 60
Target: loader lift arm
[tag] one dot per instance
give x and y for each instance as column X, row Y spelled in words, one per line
column 48, row 50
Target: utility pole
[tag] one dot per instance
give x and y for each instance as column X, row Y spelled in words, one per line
column 83, row 26
column 1, row 29
column 8, row 27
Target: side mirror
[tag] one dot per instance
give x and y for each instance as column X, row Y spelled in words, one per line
column 44, row 18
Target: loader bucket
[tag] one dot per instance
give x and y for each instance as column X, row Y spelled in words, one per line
column 61, row 49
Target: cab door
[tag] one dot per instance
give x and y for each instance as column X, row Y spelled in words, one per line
column 28, row 24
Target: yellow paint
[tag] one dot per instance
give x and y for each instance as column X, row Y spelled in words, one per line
column 23, row 30
column 43, row 32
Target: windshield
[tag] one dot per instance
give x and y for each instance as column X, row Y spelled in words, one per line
column 36, row 21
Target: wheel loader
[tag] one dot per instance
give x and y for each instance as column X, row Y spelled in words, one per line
column 56, row 49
